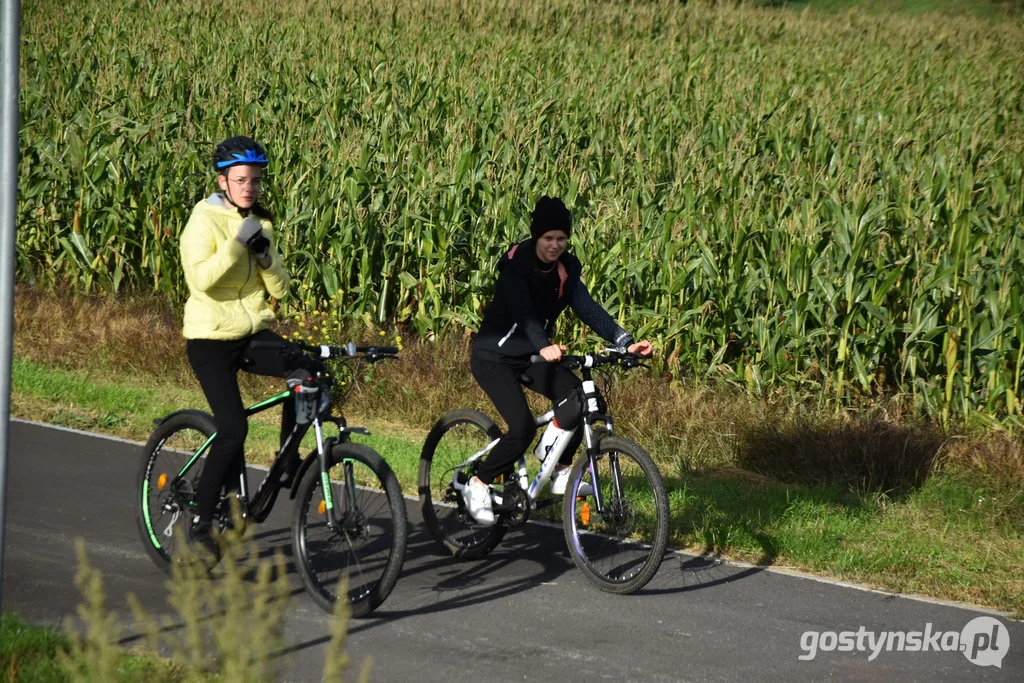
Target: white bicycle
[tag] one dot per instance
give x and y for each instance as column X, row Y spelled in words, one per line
column 615, row 510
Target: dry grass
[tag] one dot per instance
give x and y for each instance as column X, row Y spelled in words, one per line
column 689, row 426
column 868, row 454
column 138, row 335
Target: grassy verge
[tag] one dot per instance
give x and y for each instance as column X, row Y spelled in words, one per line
column 33, row 653
column 29, row 653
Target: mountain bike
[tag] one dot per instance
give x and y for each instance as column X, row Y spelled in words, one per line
column 349, row 518
column 615, row 511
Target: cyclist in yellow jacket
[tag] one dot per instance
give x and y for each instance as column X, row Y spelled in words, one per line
column 231, row 265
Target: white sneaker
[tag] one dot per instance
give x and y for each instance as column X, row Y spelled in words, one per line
column 477, row 496
column 560, row 480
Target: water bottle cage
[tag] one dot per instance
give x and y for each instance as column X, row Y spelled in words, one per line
column 306, row 402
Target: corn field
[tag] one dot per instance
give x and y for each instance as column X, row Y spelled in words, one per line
column 829, row 204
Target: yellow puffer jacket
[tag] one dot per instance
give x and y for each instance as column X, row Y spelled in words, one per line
column 227, row 288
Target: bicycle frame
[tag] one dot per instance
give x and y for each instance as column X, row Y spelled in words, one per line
column 265, row 495
column 591, row 415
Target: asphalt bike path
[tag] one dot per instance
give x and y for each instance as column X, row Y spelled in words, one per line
column 523, row 613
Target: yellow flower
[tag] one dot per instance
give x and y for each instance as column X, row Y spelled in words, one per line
column 382, row 333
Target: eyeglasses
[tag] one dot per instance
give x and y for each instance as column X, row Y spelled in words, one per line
column 244, row 182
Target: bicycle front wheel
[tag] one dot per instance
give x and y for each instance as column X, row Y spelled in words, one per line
column 172, row 461
column 368, row 546
column 619, row 547
column 454, row 438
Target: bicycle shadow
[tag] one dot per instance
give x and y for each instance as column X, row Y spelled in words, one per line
column 432, row 581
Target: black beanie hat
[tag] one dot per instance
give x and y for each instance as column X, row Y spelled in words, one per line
column 549, row 214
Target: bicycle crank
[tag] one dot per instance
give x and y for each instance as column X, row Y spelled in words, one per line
column 514, row 507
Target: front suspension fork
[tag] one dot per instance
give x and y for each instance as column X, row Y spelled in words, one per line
column 323, row 449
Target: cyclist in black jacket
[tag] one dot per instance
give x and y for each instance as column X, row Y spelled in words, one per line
column 537, row 280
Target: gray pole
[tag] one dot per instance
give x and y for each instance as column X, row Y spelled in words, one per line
column 9, row 67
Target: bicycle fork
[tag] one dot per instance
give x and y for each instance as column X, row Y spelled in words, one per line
column 351, row 500
column 325, row 477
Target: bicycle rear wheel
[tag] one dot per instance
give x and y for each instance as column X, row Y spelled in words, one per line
column 620, row 547
column 455, row 437
column 172, row 461
column 368, row 547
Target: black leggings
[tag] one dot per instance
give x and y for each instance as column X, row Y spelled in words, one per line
column 501, row 383
column 216, row 364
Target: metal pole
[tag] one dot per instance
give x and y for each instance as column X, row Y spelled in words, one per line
column 9, row 67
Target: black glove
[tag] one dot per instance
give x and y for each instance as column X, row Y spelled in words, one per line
column 260, row 247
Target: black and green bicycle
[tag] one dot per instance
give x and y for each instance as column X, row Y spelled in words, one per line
column 349, row 518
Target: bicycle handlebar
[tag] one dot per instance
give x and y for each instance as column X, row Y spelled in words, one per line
column 624, row 359
column 326, row 351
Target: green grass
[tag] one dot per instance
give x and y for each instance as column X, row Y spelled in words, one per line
column 958, row 536
column 82, row 400
column 28, row 653
column 954, row 537
column 31, row 654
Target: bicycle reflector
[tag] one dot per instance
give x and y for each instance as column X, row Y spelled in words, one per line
column 585, row 513
column 322, row 507
column 161, row 481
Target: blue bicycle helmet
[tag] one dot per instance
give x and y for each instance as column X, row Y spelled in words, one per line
column 237, row 151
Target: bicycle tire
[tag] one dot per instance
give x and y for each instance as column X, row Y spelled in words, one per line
column 325, row 557
column 611, row 550
column 160, row 497
column 442, row 507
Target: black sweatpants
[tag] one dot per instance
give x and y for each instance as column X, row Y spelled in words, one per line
column 501, row 384
column 216, row 364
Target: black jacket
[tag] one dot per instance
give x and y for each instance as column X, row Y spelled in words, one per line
column 527, row 301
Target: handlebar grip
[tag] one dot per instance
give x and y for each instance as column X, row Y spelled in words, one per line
column 383, row 349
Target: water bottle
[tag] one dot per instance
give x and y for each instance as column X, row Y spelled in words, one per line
column 554, row 438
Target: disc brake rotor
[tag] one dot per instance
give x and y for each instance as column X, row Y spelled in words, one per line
column 621, row 515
